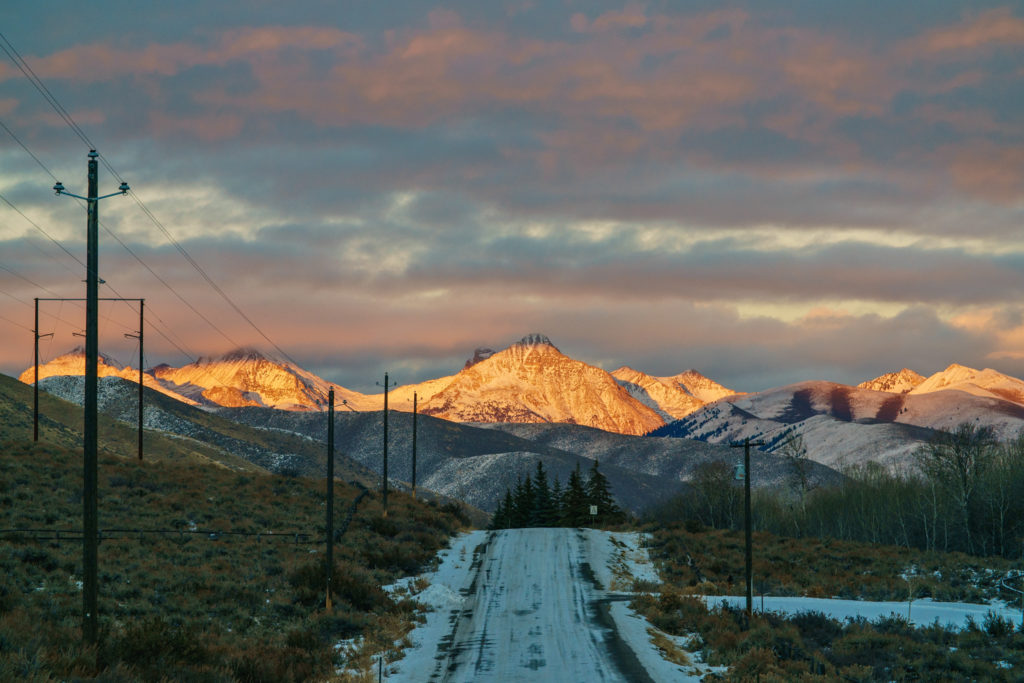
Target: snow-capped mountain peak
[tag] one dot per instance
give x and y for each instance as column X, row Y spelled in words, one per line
column 532, row 381
column 894, row 382
column 480, row 354
column 535, row 339
column 985, row 382
column 241, row 354
column 667, row 398
column 699, row 386
column 246, row 377
column 72, row 364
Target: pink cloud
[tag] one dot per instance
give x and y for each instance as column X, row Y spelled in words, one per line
column 100, row 62
column 631, row 16
column 690, row 73
column 991, row 28
column 995, row 172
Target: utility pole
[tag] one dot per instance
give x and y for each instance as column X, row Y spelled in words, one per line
column 330, row 492
column 747, row 443
column 139, row 336
column 35, row 392
column 90, row 521
column 414, row 445
column 384, row 483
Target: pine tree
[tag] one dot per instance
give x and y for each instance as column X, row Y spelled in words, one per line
column 556, row 503
column 574, row 500
column 543, row 513
column 598, row 494
column 523, row 497
column 500, row 518
column 509, row 504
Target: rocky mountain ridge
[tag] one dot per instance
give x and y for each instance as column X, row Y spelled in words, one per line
column 532, row 381
column 529, row 381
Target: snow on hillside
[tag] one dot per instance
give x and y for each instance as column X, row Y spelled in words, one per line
column 699, row 386
column 987, row 383
column 846, row 425
column 72, row 364
column 245, row 377
column 950, row 407
column 664, row 397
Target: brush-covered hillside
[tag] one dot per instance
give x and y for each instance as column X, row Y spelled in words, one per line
column 206, row 572
column 175, row 426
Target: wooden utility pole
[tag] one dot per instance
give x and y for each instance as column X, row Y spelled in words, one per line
column 747, row 523
column 330, row 492
column 90, row 521
column 35, row 383
column 90, row 518
column 384, row 483
column 140, row 337
column 414, row 444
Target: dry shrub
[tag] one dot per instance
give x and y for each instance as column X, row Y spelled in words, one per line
column 278, row 664
column 757, row 662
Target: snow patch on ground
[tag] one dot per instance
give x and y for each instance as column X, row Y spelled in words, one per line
column 451, row 576
column 920, row 612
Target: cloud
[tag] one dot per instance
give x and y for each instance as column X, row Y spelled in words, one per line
column 990, row 29
column 731, row 189
column 988, row 170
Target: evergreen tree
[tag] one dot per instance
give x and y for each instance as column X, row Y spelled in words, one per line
column 556, row 503
column 575, row 507
column 598, row 494
column 502, row 514
column 523, row 498
column 543, row 513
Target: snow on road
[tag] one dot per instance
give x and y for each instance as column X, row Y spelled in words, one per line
column 532, row 604
column 551, row 605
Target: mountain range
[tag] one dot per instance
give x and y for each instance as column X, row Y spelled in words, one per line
column 473, row 463
column 533, row 382
column 529, row 381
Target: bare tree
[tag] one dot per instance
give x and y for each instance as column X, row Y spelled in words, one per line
column 794, row 452
column 956, row 461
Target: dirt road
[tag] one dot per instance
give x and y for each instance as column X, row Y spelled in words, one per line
column 529, row 608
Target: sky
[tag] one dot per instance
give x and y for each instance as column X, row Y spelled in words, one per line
column 767, row 192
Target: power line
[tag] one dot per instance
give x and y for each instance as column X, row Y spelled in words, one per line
column 119, row 241
column 40, row 229
column 27, row 329
column 27, row 71
column 22, row 277
column 29, row 74
column 24, row 147
column 205, row 276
